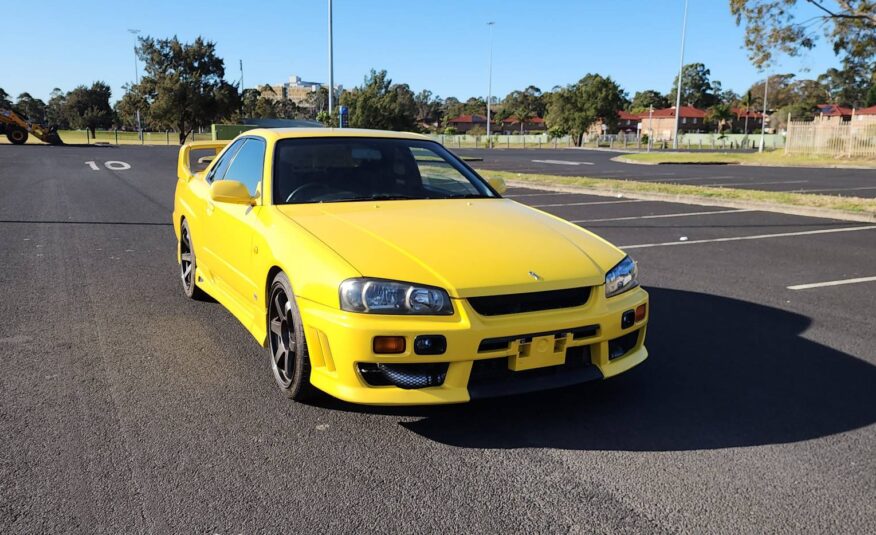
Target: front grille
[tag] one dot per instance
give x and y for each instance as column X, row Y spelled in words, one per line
column 622, row 345
column 407, row 376
column 496, row 305
column 503, row 342
column 491, row 377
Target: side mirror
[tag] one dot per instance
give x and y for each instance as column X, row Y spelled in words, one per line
column 498, row 184
column 230, row 191
column 205, row 160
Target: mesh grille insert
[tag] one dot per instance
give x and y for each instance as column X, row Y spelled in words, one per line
column 496, row 305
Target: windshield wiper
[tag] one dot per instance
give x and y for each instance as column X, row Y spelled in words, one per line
column 377, row 197
column 468, row 196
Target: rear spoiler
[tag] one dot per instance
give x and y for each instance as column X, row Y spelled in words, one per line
column 183, row 170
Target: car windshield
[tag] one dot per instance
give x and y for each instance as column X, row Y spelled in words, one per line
column 336, row 169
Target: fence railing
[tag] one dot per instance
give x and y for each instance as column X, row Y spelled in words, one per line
column 464, row 141
column 124, row 137
column 839, row 140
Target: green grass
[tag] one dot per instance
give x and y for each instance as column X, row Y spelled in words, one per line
column 854, row 205
column 772, row 158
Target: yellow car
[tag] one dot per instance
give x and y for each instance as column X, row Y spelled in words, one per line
column 381, row 269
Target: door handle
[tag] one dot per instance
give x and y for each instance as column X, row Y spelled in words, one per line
column 210, row 208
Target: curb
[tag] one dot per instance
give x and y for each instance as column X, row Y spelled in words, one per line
column 622, row 159
column 806, row 211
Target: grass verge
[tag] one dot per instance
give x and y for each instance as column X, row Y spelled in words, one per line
column 771, row 158
column 857, row 208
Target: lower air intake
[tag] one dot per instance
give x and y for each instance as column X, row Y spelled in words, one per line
column 407, row 376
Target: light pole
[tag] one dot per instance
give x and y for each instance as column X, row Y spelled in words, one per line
column 331, row 87
column 490, row 86
column 680, row 69
column 650, row 129
column 137, row 80
column 766, row 87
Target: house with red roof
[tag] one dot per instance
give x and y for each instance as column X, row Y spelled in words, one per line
column 660, row 124
column 746, row 121
column 511, row 125
column 865, row 115
column 464, row 123
column 833, row 113
column 627, row 123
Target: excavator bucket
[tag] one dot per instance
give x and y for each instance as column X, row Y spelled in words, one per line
column 53, row 138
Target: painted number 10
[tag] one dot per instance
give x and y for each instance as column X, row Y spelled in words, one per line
column 112, row 165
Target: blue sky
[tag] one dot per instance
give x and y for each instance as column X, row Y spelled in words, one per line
column 439, row 45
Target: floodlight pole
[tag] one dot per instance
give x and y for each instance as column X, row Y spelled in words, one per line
column 766, row 87
column 137, row 81
column 680, row 70
column 331, row 87
column 490, row 87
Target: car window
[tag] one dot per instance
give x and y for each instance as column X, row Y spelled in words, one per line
column 248, row 165
column 218, row 170
column 337, row 169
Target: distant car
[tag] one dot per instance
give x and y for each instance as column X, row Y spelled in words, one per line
column 381, row 269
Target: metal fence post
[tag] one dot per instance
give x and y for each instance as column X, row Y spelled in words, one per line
column 167, row 137
column 117, row 136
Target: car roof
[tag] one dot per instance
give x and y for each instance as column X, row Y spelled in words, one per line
column 288, row 133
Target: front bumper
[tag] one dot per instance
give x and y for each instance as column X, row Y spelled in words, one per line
column 586, row 342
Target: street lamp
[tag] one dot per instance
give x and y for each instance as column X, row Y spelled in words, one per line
column 331, row 87
column 680, row 69
column 490, row 86
column 650, row 129
column 136, row 79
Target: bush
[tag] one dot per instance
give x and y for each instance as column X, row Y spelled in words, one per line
column 450, row 131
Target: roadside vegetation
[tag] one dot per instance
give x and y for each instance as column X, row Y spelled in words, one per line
column 761, row 199
column 771, row 158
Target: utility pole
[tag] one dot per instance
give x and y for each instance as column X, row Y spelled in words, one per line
column 331, row 85
column 137, row 80
column 766, row 87
column 490, row 87
column 680, row 69
column 241, row 77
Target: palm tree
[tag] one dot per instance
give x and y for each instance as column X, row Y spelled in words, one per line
column 720, row 114
column 747, row 101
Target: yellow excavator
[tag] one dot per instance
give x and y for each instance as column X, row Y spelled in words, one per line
column 17, row 129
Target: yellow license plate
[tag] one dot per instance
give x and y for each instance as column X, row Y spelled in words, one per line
column 538, row 352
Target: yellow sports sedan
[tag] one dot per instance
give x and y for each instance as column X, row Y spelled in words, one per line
column 379, row 268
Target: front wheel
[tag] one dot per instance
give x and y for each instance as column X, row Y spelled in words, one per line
column 287, row 347
column 16, row 136
column 188, row 264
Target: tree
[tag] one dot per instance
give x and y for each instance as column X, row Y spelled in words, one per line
column 31, row 108
column 428, row 107
column 56, row 109
column 523, row 105
column 574, row 108
column 378, row 103
column 772, row 27
column 4, row 99
column 184, row 84
column 475, row 106
column 89, row 107
column 871, row 96
column 696, row 88
column 451, row 108
column 643, row 100
column 720, row 114
column 316, row 102
column 845, row 86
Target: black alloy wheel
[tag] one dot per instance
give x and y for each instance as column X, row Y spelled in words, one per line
column 287, row 347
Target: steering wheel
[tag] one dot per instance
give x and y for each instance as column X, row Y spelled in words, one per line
column 308, row 186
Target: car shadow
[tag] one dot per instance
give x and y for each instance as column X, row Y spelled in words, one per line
column 721, row 373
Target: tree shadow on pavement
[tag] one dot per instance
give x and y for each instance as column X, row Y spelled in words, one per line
column 721, row 373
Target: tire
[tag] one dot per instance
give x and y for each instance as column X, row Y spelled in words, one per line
column 188, row 265
column 16, row 136
column 287, row 347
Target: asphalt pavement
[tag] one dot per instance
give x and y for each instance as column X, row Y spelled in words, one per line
column 125, row 407
column 600, row 164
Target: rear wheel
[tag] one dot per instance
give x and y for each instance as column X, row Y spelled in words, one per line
column 16, row 136
column 287, row 347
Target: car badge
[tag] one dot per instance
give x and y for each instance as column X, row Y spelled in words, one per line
column 535, row 275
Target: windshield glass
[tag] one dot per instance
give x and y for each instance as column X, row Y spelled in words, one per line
column 333, row 169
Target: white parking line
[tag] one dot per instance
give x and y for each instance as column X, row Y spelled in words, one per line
column 515, row 195
column 830, row 283
column 757, row 237
column 562, row 162
column 684, row 214
column 584, row 203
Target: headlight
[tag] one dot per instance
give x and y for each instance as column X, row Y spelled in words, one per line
column 622, row 277
column 376, row 296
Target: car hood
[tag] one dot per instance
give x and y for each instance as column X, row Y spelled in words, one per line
column 470, row 247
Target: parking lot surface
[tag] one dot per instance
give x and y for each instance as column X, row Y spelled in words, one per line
column 125, row 407
column 599, row 164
